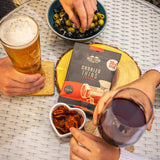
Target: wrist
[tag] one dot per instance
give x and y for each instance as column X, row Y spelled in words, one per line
column 155, row 80
column 118, row 154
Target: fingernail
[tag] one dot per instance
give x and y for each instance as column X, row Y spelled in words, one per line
column 78, row 129
column 44, row 77
column 71, row 129
column 78, row 26
column 42, row 86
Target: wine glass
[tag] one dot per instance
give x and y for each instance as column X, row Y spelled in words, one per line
column 126, row 117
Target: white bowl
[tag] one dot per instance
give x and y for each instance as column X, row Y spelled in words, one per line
column 79, row 111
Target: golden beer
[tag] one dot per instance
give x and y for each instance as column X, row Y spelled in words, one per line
column 20, row 38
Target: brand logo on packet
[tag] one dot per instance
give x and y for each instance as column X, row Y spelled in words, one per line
column 93, row 59
column 112, row 64
column 68, row 89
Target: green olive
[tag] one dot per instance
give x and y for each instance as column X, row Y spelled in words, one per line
column 81, row 30
column 98, row 14
column 55, row 16
column 68, row 22
column 101, row 16
column 66, row 27
column 96, row 23
column 58, row 21
column 92, row 25
column 71, row 29
column 95, row 18
column 61, row 14
column 101, row 22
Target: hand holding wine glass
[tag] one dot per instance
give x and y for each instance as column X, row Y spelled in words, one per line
column 125, row 117
column 144, row 83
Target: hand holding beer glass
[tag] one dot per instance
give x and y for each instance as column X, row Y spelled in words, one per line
column 19, row 36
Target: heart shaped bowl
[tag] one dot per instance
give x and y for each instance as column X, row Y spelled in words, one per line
column 58, row 118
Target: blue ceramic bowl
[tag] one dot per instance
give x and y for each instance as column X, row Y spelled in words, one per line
column 50, row 20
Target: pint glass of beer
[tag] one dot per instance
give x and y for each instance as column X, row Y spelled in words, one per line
column 19, row 36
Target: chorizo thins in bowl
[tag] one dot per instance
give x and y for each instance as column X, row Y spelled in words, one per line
column 62, row 118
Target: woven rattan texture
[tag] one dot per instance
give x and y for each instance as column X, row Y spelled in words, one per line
column 25, row 131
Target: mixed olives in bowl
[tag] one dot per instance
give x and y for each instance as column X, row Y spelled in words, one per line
column 62, row 26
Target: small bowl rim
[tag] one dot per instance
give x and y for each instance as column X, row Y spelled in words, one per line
column 55, row 106
column 74, row 39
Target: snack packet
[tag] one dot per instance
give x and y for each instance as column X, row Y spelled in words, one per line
column 89, row 75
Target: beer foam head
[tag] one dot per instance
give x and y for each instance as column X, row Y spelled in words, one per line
column 18, row 30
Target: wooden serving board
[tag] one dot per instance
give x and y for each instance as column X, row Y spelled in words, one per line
column 127, row 70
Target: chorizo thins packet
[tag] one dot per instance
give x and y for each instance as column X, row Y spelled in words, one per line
column 89, row 75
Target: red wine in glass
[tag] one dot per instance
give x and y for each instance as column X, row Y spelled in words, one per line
column 123, row 122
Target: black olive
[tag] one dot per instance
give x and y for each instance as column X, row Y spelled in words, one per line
column 56, row 10
column 69, row 34
column 74, row 26
column 86, row 34
column 65, row 27
column 81, row 35
column 61, row 30
column 56, row 25
column 65, row 16
column 60, row 8
column 76, row 32
column 62, row 22
column 91, row 32
column 74, row 35
column 97, row 28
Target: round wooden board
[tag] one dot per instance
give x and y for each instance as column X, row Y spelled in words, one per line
column 127, row 70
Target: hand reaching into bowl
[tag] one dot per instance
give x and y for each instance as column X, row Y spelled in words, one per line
column 85, row 10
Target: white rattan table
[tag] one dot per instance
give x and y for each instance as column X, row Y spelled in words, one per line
column 25, row 132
